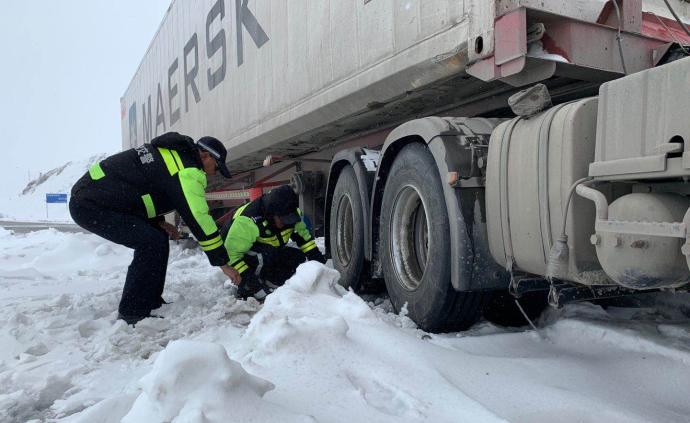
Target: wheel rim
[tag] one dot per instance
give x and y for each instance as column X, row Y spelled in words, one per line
column 409, row 240
column 344, row 230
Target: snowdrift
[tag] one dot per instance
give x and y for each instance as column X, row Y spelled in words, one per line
column 312, row 352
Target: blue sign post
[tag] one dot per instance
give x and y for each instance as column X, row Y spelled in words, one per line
column 56, row 198
column 53, row 199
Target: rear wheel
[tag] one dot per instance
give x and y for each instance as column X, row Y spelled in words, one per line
column 415, row 246
column 346, row 234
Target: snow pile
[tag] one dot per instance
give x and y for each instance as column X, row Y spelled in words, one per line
column 50, row 255
column 311, row 331
column 30, row 204
column 328, row 355
column 198, row 382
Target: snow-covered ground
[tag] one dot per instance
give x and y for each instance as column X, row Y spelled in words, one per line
column 28, row 203
column 312, row 352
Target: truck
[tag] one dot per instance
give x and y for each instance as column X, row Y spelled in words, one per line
column 470, row 157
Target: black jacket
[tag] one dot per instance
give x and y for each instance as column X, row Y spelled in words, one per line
column 251, row 228
column 155, row 179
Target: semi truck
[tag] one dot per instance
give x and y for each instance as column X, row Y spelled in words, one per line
column 459, row 154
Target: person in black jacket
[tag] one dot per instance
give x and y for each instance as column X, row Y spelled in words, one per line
column 123, row 198
column 256, row 239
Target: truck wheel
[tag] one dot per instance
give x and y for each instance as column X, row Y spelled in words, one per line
column 501, row 308
column 346, row 235
column 414, row 245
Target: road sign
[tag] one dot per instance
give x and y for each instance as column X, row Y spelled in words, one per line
column 56, row 198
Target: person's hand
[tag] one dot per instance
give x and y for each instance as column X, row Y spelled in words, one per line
column 231, row 273
column 170, row 229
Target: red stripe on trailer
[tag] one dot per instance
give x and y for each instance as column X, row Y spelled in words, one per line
column 255, row 193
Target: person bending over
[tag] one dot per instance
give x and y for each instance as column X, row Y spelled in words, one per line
column 124, row 197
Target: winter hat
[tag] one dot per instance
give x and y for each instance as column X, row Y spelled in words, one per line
column 283, row 202
column 217, row 150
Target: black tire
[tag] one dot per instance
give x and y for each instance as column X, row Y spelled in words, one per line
column 501, row 308
column 346, row 232
column 417, row 270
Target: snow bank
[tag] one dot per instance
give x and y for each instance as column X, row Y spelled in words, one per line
column 198, row 382
column 365, row 368
column 53, row 255
column 30, row 203
column 328, row 355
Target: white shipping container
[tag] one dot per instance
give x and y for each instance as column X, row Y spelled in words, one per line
column 257, row 73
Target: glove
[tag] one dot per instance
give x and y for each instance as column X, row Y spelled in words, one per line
column 316, row 255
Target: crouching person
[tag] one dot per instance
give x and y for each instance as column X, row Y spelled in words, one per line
column 257, row 238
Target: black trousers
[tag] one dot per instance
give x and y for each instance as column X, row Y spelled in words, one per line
column 146, row 274
column 275, row 265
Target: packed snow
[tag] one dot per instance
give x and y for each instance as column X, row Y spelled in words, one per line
column 313, row 352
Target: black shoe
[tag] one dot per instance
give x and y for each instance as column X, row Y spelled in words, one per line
column 160, row 303
column 133, row 319
column 253, row 288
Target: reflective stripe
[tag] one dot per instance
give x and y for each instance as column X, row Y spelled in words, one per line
column 169, row 160
column 148, row 203
column 96, row 172
column 210, row 241
column 272, row 241
column 260, row 295
column 240, row 266
column 213, row 246
column 260, row 261
column 240, row 210
column 308, row 246
column 177, row 158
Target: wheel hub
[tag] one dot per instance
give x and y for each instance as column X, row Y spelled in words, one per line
column 345, row 230
column 409, row 228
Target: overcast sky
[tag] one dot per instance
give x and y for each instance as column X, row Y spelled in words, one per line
column 64, row 65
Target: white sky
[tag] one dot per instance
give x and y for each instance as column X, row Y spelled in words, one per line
column 63, row 67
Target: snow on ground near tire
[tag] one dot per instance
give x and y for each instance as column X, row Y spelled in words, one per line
column 312, row 352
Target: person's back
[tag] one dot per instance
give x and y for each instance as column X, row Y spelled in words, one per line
column 144, row 181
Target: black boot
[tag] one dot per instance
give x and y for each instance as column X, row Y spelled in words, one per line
column 253, row 287
column 130, row 319
column 134, row 319
column 160, row 303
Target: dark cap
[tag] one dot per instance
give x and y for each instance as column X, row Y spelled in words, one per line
column 217, row 150
column 283, row 202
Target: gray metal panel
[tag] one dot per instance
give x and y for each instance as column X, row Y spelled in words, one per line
column 324, row 61
column 531, row 166
column 635, row 137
